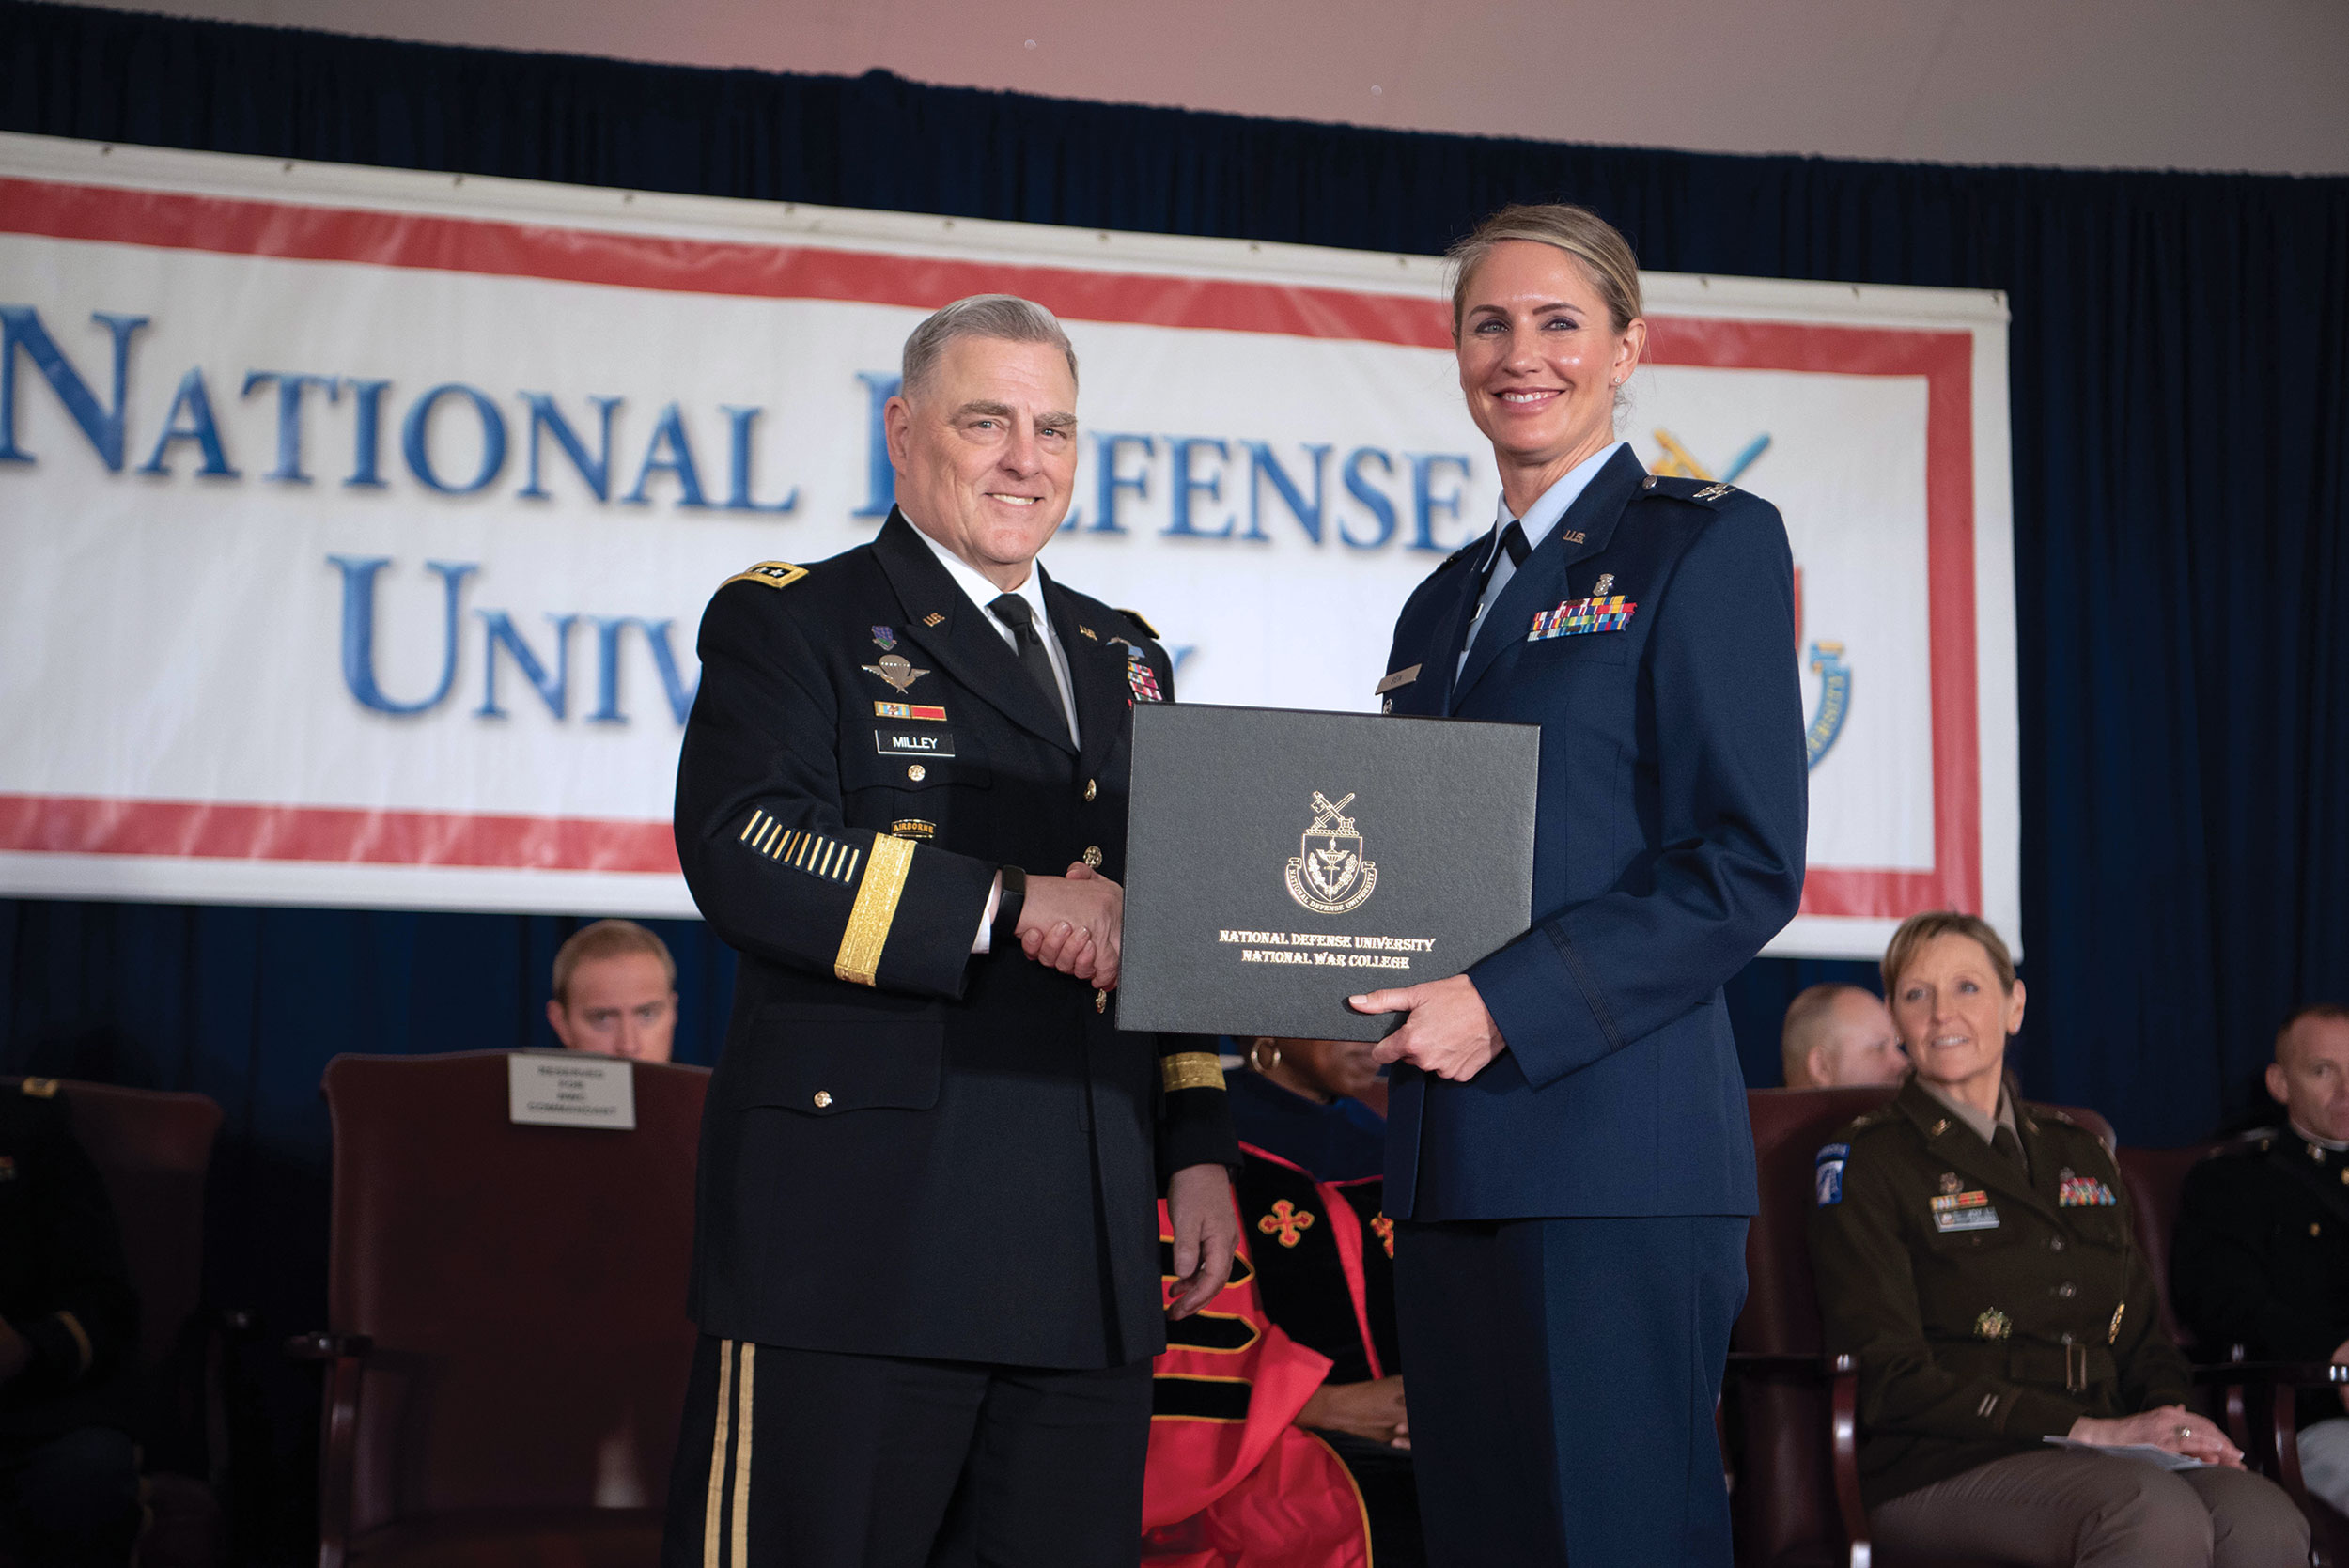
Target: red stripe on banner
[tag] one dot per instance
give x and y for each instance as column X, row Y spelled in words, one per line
column 1945, row 359
column 87, row 824
column 229, row 227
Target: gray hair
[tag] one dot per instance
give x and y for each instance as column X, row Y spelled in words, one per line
column 1006, row 318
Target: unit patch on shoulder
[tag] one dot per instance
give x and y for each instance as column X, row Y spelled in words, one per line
column 775, row 574
column 1828, row 1176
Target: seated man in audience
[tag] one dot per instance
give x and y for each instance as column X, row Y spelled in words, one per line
column 1836, row 1036
column 2260, row 1258
column 1281, row 1440
column 614, row 992
column 68, row 1477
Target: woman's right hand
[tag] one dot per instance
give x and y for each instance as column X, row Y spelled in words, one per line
column 1372, row 1410
column 2173, row 1427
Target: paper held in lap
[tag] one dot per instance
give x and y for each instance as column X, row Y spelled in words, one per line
column 2147, row 1451
column 1279, row 861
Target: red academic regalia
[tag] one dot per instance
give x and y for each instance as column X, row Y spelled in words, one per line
column 1232, row 1483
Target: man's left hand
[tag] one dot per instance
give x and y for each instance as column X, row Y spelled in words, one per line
column 1449, row 1033
column 1207, row 1233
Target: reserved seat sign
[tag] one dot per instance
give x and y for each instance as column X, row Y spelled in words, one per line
column 570, row 1089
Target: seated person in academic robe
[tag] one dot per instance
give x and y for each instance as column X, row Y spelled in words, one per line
column 1279, row 1438
column 1316, row 1103
column 69, row 1475
column 2261, row 1257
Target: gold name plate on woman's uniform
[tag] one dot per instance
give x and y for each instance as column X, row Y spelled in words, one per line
column 1278, row 862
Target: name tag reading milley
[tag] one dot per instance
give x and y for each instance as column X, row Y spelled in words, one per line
column 900, row 743
column 570, row 1089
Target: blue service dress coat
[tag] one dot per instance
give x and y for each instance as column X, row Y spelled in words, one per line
column 1651, row 635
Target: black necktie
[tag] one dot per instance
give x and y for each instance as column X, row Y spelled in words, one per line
column 1013, row 612
column 1512, row 540
column 2005, row 1142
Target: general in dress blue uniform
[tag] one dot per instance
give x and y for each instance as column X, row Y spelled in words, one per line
column 1567, row 1150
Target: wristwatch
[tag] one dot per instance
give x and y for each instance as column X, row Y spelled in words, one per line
column 1006, row 930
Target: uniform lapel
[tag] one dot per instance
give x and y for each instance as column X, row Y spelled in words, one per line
column 1096, row 679
column 957, row 635
column 1956, row 1145
column 1453, row 627
column 1585, row 530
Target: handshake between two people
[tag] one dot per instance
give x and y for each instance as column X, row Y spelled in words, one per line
column 1073, row 922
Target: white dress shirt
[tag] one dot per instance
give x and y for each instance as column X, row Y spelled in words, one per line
column 980, row 592
column 1539, row 520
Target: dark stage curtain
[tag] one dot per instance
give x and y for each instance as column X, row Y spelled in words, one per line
column 2180, row 401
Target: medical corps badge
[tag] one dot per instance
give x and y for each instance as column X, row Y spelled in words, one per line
column 1329, row 875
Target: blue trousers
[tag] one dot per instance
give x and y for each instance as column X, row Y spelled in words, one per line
column 1561, row 1376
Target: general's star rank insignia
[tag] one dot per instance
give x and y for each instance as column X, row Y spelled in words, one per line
column 898, row 669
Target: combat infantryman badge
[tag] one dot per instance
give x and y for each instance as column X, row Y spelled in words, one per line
column 1328, row 875
column 898, row 669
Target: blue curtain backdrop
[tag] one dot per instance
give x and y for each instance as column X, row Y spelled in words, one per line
column 2180, row 398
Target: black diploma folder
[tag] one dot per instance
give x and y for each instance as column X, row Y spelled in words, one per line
column 1279, row 861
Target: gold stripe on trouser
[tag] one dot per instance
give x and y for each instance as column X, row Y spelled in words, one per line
column 742, row 1461
column 875, row 908
column 716, row 1509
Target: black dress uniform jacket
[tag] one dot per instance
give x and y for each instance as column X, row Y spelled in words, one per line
column 64, row 1285
column 1988, row 1307
column 908, row 1150
column 2261, row 1255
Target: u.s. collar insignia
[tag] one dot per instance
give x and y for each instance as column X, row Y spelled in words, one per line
column 1087, row 633
column 885, row 638
column 1606, row 581
column 898, row 669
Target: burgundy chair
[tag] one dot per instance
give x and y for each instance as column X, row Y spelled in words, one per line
column 153, row 1151
column 1790, row 1413
column 2256, row 1402
column 507, row 1345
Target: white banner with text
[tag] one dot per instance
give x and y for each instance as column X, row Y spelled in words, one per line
column 356, row 523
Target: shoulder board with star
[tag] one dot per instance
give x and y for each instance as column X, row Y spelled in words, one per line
column 771, row 574
column 1140, row 622
column 1708, row 492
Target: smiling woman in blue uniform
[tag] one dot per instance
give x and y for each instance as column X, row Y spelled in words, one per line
column 1567, row 1149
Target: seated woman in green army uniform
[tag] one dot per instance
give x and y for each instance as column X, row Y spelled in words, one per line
column 1974, row 1252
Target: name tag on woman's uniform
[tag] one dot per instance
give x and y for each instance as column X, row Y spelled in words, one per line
column 1964, row 1211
